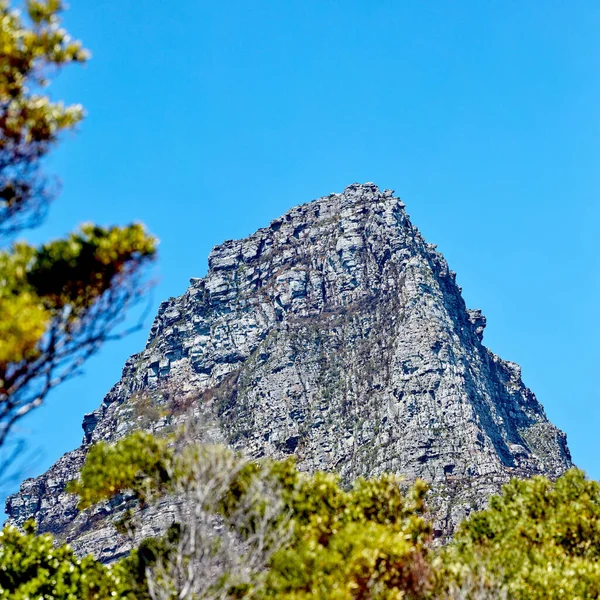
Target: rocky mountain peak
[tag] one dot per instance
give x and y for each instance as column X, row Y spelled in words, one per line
column 336, row 334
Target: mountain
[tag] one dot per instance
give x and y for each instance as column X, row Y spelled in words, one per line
column 338, row 335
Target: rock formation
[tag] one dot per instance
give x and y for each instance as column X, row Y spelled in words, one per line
column 336, row 334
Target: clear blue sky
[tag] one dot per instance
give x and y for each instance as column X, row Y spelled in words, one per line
column 208, row 119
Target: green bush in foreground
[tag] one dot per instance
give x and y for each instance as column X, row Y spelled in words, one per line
column 290, row 535
column 31, row 567
column 538, row 540
column 367, row 542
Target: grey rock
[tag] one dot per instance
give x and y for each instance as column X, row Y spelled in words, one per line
column 336, row 334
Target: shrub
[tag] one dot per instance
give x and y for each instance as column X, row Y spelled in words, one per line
column 538, row 539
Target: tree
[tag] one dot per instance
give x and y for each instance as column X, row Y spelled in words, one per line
column 263, row 529
column 227, row 514
column 537, row 540
column 29, row 122
column 368, row 542
column 59, row 302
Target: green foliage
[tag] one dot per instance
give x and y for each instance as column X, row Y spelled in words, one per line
column 367, row 542
column 29, row 121
column 38, row 286
column 32, row 567
column 24, row 319
column 75, row 271
column 139, row 463
column 135, row 567
column 58, row 302
column 538, row 539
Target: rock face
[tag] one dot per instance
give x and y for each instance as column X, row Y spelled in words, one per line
column 336, row 334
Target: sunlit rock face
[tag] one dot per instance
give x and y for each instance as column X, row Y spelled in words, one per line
column 338, row 335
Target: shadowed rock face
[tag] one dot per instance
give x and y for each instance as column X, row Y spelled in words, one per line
column 336, row 334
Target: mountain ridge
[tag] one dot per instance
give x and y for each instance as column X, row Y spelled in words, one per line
column 336, row 334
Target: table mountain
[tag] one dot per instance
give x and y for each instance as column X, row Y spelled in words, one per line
column 338, row 335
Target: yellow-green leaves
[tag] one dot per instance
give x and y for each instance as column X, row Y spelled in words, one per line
column 32, row 47
column 58, row 302
column 140, row 463
column 29, row 119
column 28, row 51
column 31, row 566
column 78, row 269
column 23, row 318
column 539, row 539
column 24, row 321
column 368, row 542
column 38, row 284
column 43, row 12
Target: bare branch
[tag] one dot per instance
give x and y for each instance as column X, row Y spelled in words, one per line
column 215, row 551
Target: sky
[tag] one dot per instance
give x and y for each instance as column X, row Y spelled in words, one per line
column 206, row 120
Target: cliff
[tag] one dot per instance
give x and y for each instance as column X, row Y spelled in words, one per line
column 336, row 334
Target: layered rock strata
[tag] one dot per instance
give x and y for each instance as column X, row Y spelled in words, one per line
column 336, row 334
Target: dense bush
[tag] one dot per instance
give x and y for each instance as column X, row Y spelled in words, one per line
column 31, row 567
column 310, row 537
column 290, row 535
column 367, row 542
column 538, row 540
